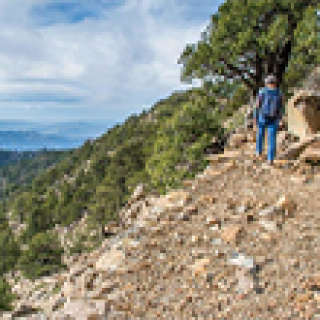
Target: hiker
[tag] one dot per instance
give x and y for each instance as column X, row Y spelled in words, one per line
column 268, row 113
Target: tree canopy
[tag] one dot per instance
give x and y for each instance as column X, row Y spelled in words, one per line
column 248, row 39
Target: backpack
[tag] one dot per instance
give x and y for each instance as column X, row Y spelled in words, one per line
column 271, row 103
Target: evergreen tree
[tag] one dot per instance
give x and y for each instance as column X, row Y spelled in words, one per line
column 43, row 256
column 9, row 248
column 248, row 39
column 180, row 143
column 6, row 296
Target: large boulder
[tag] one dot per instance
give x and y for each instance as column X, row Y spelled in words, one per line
column 313, row 81
column 304, row 113
column 82, row 310
column 297, row 148
column 312, row 152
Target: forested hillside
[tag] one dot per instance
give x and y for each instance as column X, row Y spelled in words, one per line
column 18, row 169
column 159, row 148
column 101, row 175
column 10, row 157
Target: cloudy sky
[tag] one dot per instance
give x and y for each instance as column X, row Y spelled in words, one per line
column 93, row 59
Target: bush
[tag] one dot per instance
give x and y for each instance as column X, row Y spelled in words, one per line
column 9, row 248
column 43, row 256
column 180, row 143
column 6, row 296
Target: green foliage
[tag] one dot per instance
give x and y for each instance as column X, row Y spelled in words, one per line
column 9, row 248
column 100, row 176
column 246, row 40
column 86, row 240
column 6, row 296
column 43, row 256
column 19, row 174
column 180, row 143
column 306, row 53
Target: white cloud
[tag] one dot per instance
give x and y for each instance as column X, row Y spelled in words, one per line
column 117, row 63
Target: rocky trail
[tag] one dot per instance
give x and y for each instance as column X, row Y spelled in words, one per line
column 240, row 241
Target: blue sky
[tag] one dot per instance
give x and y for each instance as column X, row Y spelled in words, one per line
column 93, row 59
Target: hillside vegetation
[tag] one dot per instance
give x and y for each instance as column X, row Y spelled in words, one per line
column 159, row 148
column 18, row 169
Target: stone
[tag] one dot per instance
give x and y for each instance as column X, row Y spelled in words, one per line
column 282, row 137
column 231, row 234
column 242, row 209
column 70, row 289
column 190, row 210
column 216, row 158
column 6, row 316
column 303, row 298
column 179, row 195
column 286, row 204
column 237, row 139
column 24, row 310
column 187, row 183
column 200, row 265
column 138, row 193
column 303, row 113
column 245, row 282
column 297, row 148
column 110, row 260
column 312, row 282
column 269, row 225
column 58, row 302
column 311, row 153
column 251, row 136
column 241, row 260
column 267, row 237
column 81, row 310
column 100, row 292
column 268, row 212
column 211, row 221
column 206, row 199
column 112, row 227
column 77, row 270
column 312, row 82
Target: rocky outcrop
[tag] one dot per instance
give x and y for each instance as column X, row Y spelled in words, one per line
column 304, row 107
column 313, row 81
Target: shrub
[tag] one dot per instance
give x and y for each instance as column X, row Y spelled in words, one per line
column 180, row 143
column 43, row 256
column 6, row 296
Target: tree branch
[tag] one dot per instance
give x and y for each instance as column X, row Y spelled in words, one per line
column 238, row 72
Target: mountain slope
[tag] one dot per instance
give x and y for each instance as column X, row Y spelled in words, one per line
column 98, row 178
column 19, row 169
column 77, row 197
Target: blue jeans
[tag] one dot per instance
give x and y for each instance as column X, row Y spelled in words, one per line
column 272, row 136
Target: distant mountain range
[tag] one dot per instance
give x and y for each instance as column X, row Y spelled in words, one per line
column 32, row 140
column 23, row 135
column 70, row 129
